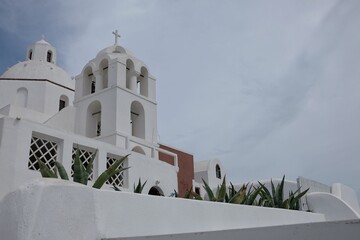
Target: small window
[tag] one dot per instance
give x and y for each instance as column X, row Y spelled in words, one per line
column 218, row 171
column 30, row 54
column 62, row 104
column 49, row 56
column 197, row 190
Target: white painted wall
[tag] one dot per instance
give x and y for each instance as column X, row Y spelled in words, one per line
column 207, row 170
column 85, row 213
column 349, row 230
column 347, row 194
column 42, row 96
column 15, row 140
column 333, row 207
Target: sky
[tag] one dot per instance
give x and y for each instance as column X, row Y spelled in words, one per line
column 267, row 87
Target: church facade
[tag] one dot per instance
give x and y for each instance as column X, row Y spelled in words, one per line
column 109, row 108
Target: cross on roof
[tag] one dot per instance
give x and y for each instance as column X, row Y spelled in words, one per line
column 117, row 35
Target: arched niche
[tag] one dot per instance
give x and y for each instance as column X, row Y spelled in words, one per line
column 218, row 171
column 131, row 80
column 49, row 56
column 138, row 149
column 88, row 81
column 30, row 54
column 103, row 68
column 143, row 82
column 156, row 191
column 137, row 120
column 93, row 120
column 63, row 102
column 21, row 98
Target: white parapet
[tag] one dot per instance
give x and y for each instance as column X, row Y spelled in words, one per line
column 56, row 209
column 333, row 207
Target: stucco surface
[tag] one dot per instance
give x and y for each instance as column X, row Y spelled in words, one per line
column 349, row 230
column 54, row 209
column 331, row 206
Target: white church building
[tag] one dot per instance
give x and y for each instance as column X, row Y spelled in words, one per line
column 110, row 108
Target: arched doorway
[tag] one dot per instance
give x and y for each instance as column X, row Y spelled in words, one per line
column 156, row 191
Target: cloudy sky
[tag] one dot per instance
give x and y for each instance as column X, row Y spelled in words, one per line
column 267, row 87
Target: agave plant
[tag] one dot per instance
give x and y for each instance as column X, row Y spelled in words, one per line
column 111, row 171
column 219, row 195
column 46, row 171
column 276, row 197
column 235, row 196
column 139, row 188
column 62, row 172
column 81, row 174
column 243, row 196
column 293, row 202
column 190, row 194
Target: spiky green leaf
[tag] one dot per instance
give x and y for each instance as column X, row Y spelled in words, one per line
column 80, row 174
column 266, row 196
column 45, row 170
column 62, row 172
column 220, row 197
column 139, row 187
column 279, row 194
column 252, row 196
column 89, row 167
column 209, row 191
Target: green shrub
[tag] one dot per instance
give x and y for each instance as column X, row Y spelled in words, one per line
column 81, row 174
column 275, row 198
column 139, row 188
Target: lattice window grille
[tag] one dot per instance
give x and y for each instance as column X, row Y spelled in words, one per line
column 44, row 150
column 85, row 157
column 118, row 179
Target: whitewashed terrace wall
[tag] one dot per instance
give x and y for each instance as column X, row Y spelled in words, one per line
column 348, row 229
column 15, row 138
column 56, row 209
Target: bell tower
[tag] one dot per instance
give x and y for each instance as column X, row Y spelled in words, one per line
column 42, row 51
column 116, row 100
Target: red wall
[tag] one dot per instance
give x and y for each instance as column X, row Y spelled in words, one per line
column 186, row 167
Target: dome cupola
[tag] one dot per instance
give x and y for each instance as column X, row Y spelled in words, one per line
column 42, row 51
column 37, row 84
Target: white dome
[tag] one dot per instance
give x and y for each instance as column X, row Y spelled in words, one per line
column 42, row 41
column 39, row 70
column 114, row 49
